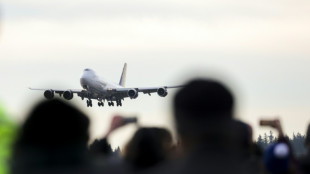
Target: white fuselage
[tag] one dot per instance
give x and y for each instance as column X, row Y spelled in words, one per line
column 91, row 82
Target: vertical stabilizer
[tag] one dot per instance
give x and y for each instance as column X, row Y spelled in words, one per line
column 123, row 76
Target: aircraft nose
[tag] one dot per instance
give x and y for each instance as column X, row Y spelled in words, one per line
column 83, row 82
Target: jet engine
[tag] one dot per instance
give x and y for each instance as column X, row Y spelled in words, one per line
column 162, row 92
column 132, row 93
column 68, row 95
column 49, row 94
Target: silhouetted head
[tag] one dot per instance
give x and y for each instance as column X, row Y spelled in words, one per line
column 241, row 136
column 277, row 158
column 200, row 104
column 54, row 123
column 148, row 147
column 242, row 143
column 54, row 134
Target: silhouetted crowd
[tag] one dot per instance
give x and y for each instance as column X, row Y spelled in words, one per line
column 54, row 139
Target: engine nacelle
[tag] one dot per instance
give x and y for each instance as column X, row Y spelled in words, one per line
column 132, row 93
column 49, row 94
column 162, row 92
column 68, row 95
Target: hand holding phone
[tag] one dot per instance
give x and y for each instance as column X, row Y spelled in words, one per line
column 119, row 121
column 128, row 120
column 275, row 123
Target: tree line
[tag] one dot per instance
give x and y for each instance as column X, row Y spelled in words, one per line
column 297, row 141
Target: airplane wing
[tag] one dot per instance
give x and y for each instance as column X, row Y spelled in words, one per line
column 58, row 91
column 112, row 94
column 133, row 92
column 155, row 89
column 67, row 94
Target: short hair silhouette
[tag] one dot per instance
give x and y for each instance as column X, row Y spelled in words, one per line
column 242, row 134
column 202, row 101
column 55, row 135
column 54, row 123
column 148, row 147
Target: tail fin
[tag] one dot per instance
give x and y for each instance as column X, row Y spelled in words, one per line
column 123, row 76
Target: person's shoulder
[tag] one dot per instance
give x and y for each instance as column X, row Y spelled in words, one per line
column 167, row 167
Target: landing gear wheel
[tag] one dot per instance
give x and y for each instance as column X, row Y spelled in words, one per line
column 100, row 104
column 118, row 103
column 89, row 103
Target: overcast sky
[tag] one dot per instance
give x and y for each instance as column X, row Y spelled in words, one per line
column 260, row 47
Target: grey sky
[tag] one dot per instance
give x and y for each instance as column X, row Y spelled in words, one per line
column 262, row 46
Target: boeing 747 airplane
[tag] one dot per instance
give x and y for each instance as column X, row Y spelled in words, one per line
column 100, row 89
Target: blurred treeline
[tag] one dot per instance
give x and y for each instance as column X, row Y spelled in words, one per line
column 297, row 141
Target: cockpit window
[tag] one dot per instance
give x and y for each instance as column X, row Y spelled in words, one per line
column 86, row 69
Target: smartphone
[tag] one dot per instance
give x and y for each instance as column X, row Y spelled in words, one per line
column 128, row 120
column 267, row 122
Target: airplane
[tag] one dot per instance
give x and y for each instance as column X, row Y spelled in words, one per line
column 98, row 88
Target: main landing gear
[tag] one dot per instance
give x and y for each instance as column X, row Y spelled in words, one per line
column 111, row 103
column 118, row 103
column 100, row 104
column 89, row 103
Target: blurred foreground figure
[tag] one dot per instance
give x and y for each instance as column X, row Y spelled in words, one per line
column 211, row 141
column 148, row 148
column 305, row 160
column 7, row 135
column 53, row 139
column 279, row 157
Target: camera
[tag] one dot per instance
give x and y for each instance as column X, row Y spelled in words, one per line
column 267, row 122
column 128, row 120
